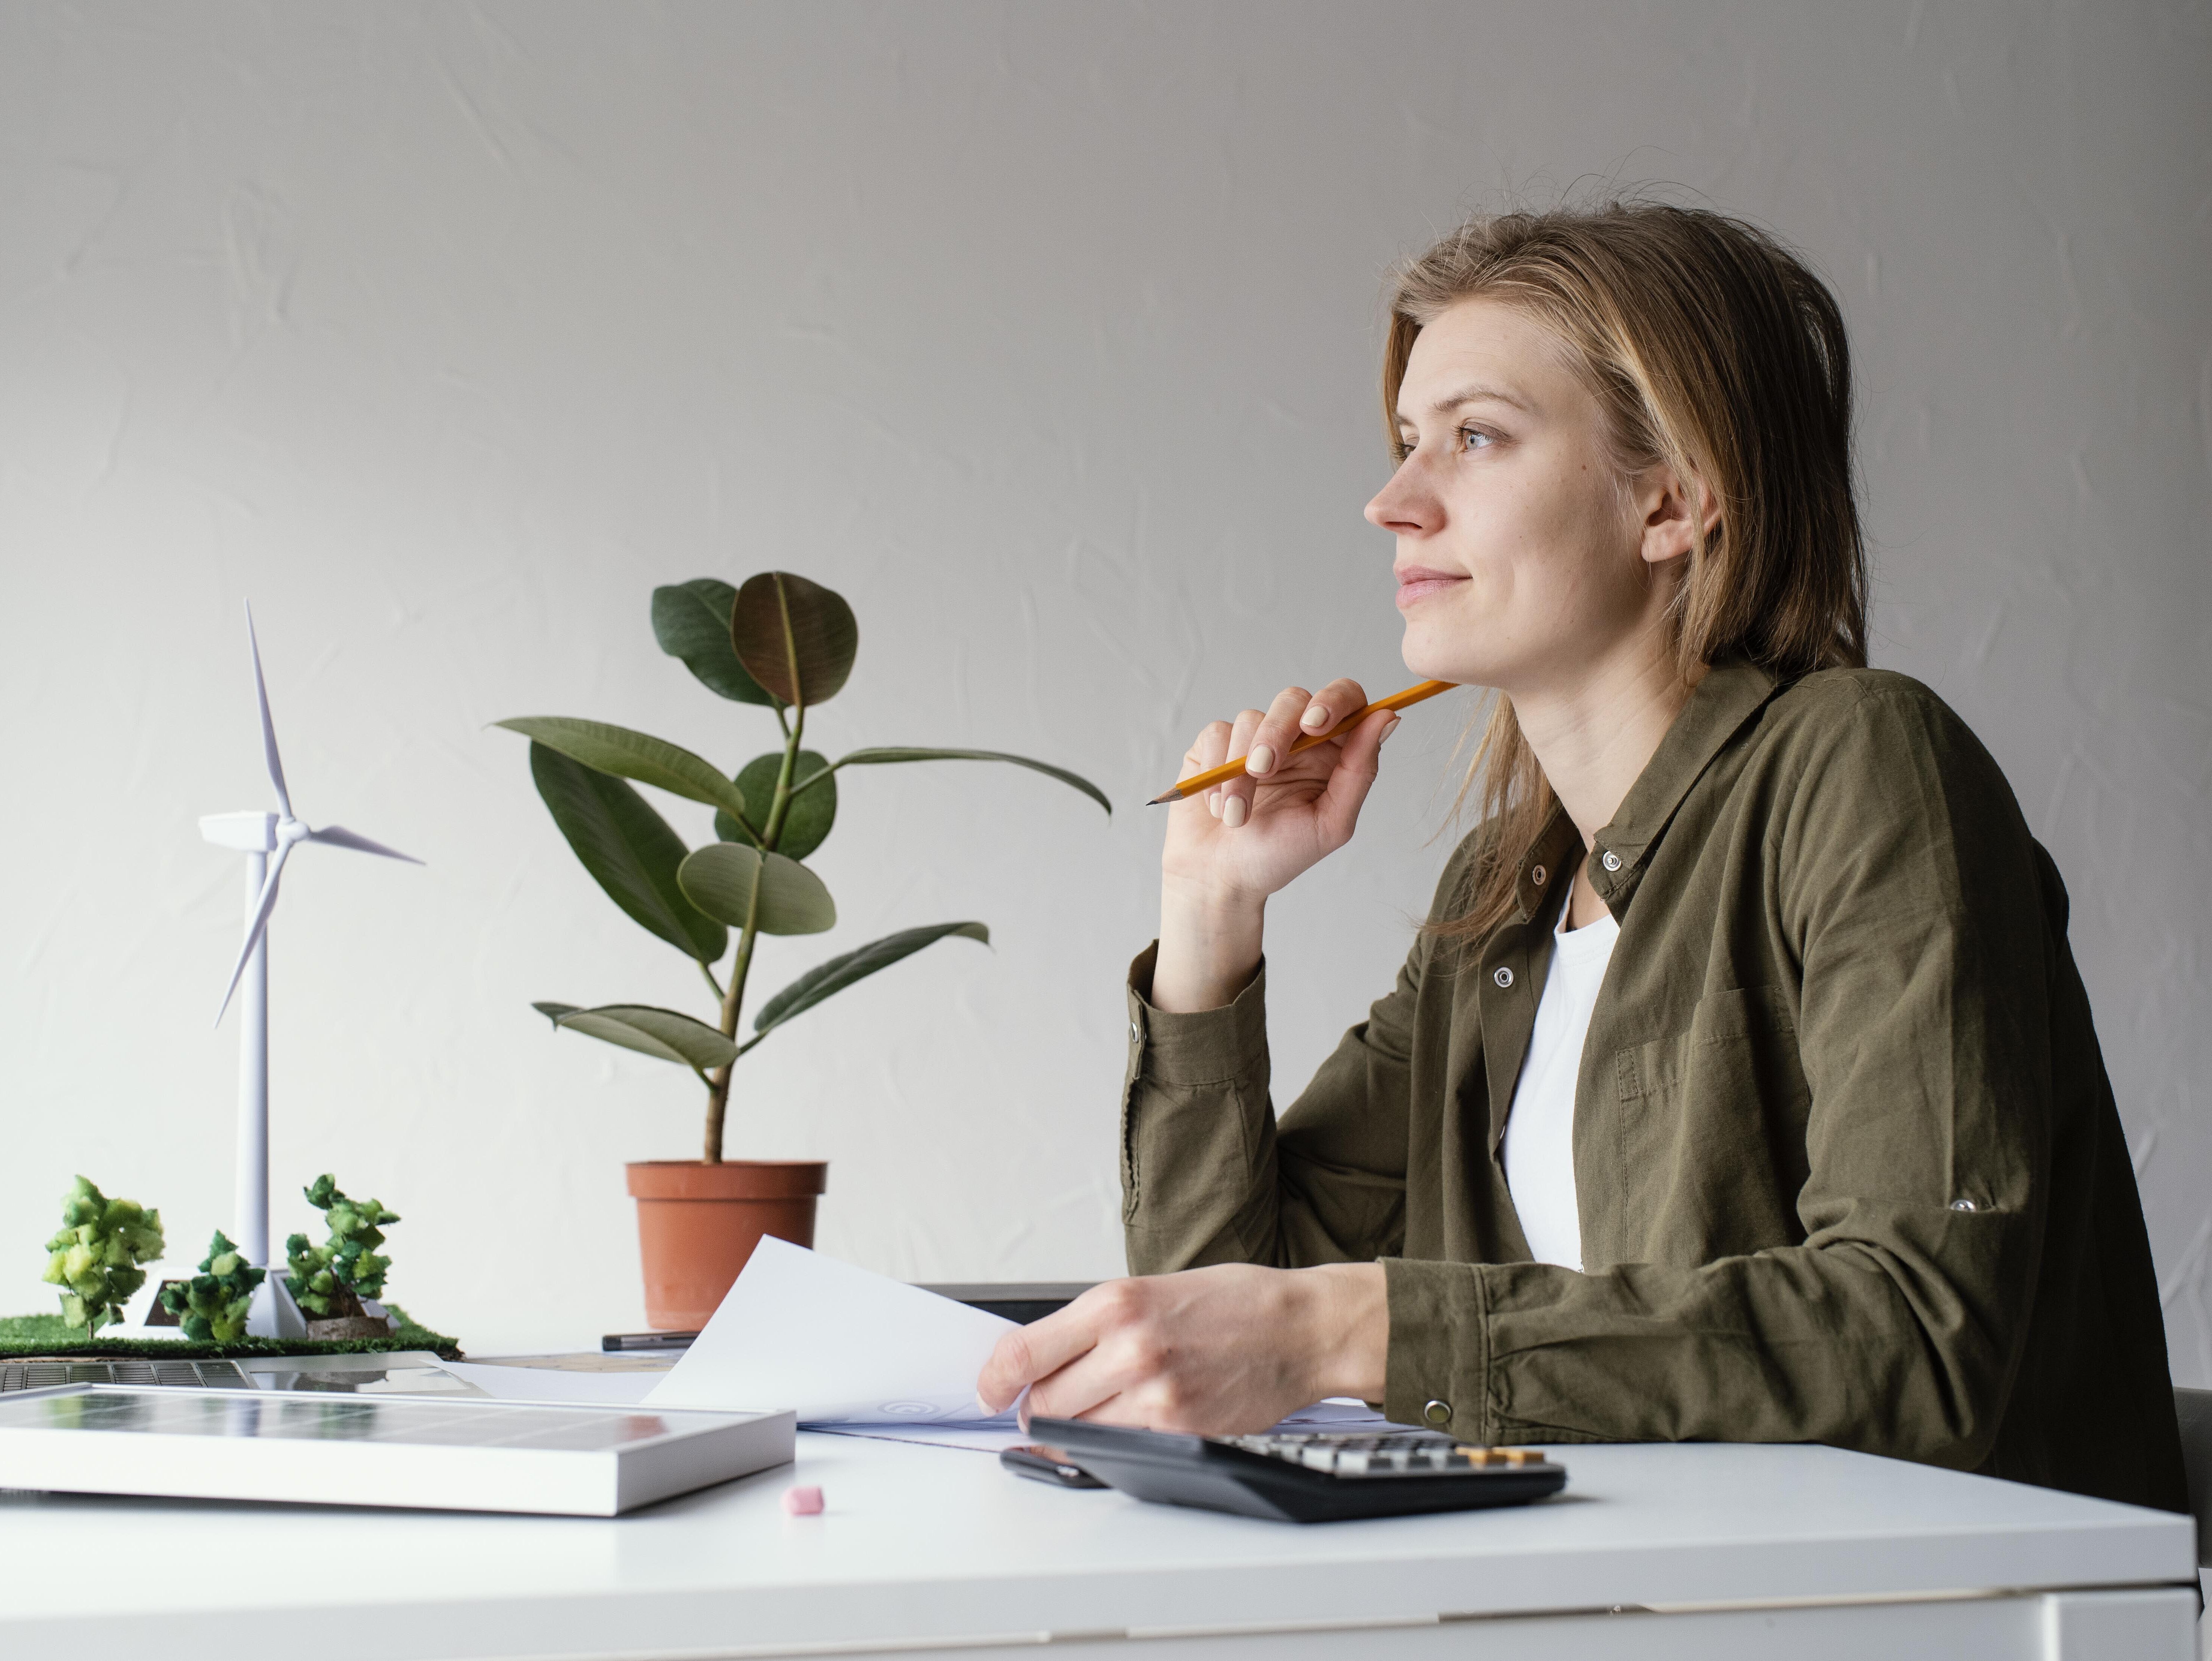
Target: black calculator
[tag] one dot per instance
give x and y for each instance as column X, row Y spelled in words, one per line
column 1294, row 1476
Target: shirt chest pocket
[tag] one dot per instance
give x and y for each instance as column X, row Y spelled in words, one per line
column 1708, row 1133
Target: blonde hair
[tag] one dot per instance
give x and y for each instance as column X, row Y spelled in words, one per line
column 1713, row 349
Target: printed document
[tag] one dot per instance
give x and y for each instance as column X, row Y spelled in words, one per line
column 842, row 1346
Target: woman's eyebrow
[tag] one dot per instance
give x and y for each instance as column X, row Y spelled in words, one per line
column 1474, row 393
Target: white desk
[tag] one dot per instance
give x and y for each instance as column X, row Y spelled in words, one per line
column 1653, row 1552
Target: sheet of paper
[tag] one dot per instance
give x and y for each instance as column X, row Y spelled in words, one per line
column 840, row 1345
column 978, row 1439
column 550, row 1385
column 1339, row 1413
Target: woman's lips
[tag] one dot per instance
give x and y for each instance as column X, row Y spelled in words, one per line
column 1417, row 584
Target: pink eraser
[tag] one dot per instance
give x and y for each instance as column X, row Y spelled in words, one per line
column 803, row 1502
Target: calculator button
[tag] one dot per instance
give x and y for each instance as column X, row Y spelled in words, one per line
column 1398, row 1453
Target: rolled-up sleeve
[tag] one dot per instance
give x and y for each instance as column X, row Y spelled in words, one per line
column 1207, row 1176
column 1197, row 1127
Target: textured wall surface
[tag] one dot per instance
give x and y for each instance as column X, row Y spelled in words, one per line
column 1048, row 333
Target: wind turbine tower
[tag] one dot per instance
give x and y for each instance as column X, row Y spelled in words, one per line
column 267, row 840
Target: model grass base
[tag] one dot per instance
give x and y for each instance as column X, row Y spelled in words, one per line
column 45, row 1335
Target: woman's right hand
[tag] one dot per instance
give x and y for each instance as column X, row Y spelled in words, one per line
column 1231, row 847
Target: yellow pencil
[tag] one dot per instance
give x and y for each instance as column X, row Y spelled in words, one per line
column 1213, row 776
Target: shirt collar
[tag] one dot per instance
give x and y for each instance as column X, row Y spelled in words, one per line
column 1731, row 693
column 1548, row 866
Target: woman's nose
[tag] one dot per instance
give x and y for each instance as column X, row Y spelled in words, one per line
column 1403, row 506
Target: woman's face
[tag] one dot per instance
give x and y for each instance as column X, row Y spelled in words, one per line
column 1522, row 562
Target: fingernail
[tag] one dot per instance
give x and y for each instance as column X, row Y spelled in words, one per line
column 1232, row 811
column 1388, row 730
column 1261, row 760
column 1213, row 803
column 1315, row 718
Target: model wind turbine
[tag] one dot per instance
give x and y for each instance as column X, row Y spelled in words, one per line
column 257, row 835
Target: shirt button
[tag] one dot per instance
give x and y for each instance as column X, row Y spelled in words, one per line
column 1504, row 977
column 1962, row 1205
column 1438, row 1413
column 1537, row 875
column 1609, row 860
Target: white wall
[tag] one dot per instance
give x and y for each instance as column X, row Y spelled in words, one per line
column 1048, row 333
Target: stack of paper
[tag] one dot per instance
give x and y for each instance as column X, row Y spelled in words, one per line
column 845, row 1347
column 840, row 1345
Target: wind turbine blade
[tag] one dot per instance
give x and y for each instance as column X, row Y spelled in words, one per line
column 268, row 726
column 258, row 926
column 338, row 837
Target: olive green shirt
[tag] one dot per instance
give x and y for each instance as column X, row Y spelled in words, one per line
column 1847, row 1165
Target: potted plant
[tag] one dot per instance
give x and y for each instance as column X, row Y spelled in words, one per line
column 787, row 644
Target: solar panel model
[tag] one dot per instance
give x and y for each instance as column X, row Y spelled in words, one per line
column 445, row 1453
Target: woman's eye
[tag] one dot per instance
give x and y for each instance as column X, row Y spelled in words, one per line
column 1473, row 438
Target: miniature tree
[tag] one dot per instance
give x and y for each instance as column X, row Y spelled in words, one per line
column 96, row 1255
column 330, row 1279
column 788, row 644
column 214, row 1303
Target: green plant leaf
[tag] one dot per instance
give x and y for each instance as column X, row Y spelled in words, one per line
column 664, row 1033
column 878, row 758
column 629, row 755
column 832, row 977
column 795, row 637
column 806, row 822
column 629, row 849
column 718, row 878
column 691, row 621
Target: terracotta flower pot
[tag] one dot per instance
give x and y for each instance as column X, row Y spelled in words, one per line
column 697, row 1224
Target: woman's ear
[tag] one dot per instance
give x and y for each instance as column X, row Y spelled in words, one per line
column 1672, row 528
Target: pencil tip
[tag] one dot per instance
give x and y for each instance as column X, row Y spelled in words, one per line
column 1161, row 801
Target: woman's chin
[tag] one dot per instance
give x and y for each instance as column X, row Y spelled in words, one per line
column 1432, row 658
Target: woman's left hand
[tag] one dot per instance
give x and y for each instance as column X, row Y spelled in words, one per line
column 1221, row 1351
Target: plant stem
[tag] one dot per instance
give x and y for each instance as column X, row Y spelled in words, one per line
column 718, row 1082
column 816, row 777
column 773, row 832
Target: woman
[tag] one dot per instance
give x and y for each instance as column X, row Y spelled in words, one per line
column 1741, row 1086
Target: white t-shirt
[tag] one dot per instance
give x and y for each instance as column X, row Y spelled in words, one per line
column 1539, row 1130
